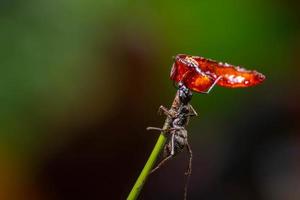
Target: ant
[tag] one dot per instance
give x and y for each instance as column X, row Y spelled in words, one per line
column 177, row 134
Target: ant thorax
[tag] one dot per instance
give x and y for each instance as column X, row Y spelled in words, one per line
column 182, row 117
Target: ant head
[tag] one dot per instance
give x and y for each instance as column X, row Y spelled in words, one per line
column 185, row 95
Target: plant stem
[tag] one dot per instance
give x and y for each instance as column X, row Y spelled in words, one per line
column 136, row 189
column 147, row 168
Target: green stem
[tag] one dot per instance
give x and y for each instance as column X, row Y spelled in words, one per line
column 135, row 191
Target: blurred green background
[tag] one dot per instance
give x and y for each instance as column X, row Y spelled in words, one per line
column 80, row 81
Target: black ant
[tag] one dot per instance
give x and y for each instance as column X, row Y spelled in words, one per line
column 177, row 133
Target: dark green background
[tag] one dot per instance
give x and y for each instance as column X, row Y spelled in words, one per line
column 80, row 81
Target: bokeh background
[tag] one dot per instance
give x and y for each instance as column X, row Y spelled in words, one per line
column 81, row 80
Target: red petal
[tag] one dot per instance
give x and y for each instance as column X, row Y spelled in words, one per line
column 199, row 73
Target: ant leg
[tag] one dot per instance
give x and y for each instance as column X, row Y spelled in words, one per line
column 172, row 145
column 164, row 110
column 176, row 128
column 161, row 163
column 154, row 129
column 215, row 82
column 192, row 111
column 167, row 158
column 189, row 171
column 150, row 128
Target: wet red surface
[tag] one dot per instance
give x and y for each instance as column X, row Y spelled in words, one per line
column 201, row 74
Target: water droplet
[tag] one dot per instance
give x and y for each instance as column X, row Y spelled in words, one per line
column 227, row 65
